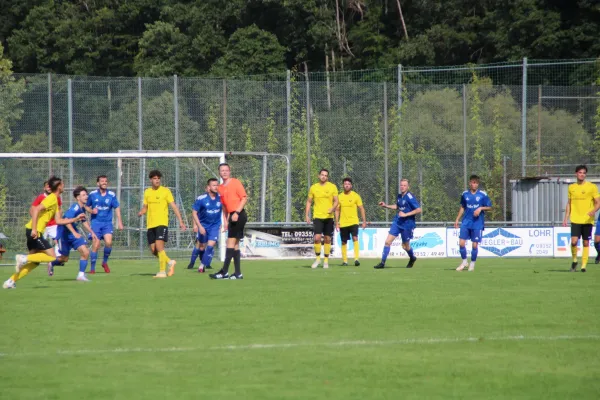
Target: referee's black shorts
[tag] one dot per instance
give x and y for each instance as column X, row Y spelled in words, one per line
column 236, row 229
column 583, row 231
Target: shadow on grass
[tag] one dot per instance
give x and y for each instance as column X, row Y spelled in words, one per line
column 143, row 274
column 560, row 270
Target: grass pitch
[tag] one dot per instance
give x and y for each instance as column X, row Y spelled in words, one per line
column 515, row 328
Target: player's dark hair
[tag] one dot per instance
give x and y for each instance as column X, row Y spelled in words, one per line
column 224, row 164
column 154, row 173
column 45, row 183
column 54, row 182
column 211, row 180
column 100, row 177
column 347, row 179
column 323, row 169
column 580, row 167
column 78, row 191
column 474, row 178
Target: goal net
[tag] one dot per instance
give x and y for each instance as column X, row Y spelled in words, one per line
column 22, row 176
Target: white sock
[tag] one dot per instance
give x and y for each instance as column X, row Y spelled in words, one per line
column 80, row 274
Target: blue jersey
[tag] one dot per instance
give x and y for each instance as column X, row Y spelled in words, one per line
column 471, row 202
column 104, row 204
column 209, row 210
column 406, row 204
column 64, row 232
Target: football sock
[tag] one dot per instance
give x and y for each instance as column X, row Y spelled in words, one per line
column 463, row 253
column 574, row 253
column 228, row 256
column 474, row 254
column 597, row 246
column 39, row 258
column 584, row 256
column 327, row 249
column 195, row 254
column 345, row 252
column 56, row 262
column 27, row 268
column 384, row 255
column 82, row 266
column 93, row 259
column 318, row 251
column 201, row 254
column 208, row 255
column 410, row 253
column 237, row 255
column 162, row 261
column 356, row 249
column 107, row 251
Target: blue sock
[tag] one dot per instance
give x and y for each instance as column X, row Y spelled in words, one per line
column 195, row 253
column 107, row 251
column 201, row 254
column 597, row 246
column 384, row 255
column 410, row 253
column 55, row 263
column 82, row 265
column 208, row 255
column 463, row 253
column 474, row 254
column 93, row 259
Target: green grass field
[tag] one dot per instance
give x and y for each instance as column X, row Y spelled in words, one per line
column 513, row 329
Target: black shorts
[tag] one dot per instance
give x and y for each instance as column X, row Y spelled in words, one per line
column 583, row 231
column 37, row 244
column 160, row 232
column 236, row 229
column 323, row 226
column 347, row 232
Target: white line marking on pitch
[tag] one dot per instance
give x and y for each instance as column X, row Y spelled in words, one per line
column 349, row 343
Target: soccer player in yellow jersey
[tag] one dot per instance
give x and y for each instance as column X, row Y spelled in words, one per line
column 157, row 200
column 583, row 202
column 325, row 196
column 346, row 216
column 40, row 251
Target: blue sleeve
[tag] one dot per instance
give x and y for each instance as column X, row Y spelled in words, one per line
column 398, row 203
column 115, row 202
column 197, row 205
column 488, row 201
column 414, row 203
column 89, row 201
column 463, row 202
column 69, row 213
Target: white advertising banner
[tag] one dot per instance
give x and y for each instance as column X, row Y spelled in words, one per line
column 562, row 243
column 508, row 242
column 426, row 243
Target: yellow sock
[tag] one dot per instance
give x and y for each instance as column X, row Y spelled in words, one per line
column 39, row 258
column 356, row 249
column 162, row 261
column 584, row 257
column 327, row 249
column 344, row 252
column 25, row 269
column 318, row 251
column 574, row 253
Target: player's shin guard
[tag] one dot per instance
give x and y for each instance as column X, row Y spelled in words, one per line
column 574, row 253
column 345, row 252
column 229, row 252
column 82, row 266
column 356, row 249
column 195, row 254
column 237, row 257
column 318, row 251
column 474, row 252
column 385, row 254
column 585, row 255
column 40, row 258
column 463, row 253
column 327, row 249
column 93, row 259
column 208, row 256
column 107, row 251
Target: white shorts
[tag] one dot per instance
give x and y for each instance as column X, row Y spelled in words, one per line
column 50, row 232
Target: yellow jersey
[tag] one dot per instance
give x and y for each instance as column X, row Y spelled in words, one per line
column 50, row 209
column 322, row 195
column 581, row 198
column 348, row 207
column 158, row 206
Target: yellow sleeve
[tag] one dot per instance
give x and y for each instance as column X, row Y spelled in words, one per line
column 146, row 197
column 595, row 193
column 169, row 196
column 359, row 202
column 335, row 190
column 49, row 202
column 311, row 194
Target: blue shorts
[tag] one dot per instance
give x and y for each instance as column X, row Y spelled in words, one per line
column 66, row 244
column 102, row 228
column 212, row 233
column 474, row 235
column 597, row 233
column 405, row 233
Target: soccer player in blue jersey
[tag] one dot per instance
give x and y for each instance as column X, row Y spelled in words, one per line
column 207, row 213
column 404, row 223
column 70, row 238
column 473, row 205
column 100, row 204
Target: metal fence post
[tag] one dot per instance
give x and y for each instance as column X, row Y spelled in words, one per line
column 176, row 127
column 308, row 174
column 263, row 190
column 399, row 111
column 288, row 194
column 70, row 118
column 49, row 122
column 524, row 120
column 385, row 150
column 142, row 164
column 464, row 107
